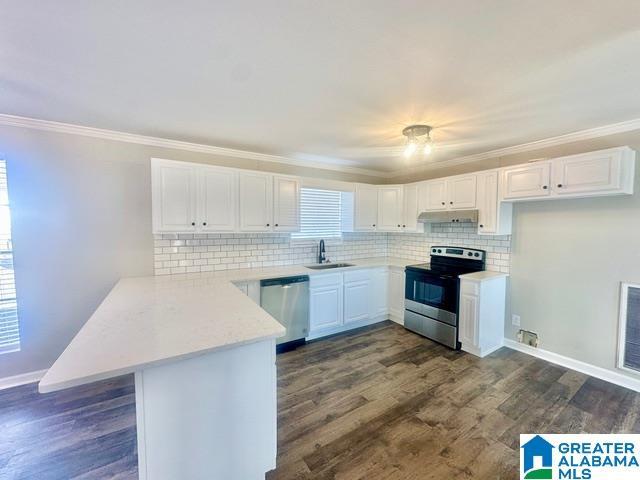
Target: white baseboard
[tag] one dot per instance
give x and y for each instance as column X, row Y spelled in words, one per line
column 573, row 364
column 480, row 352
column 22, row 379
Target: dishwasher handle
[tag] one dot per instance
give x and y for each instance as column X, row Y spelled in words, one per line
column 270, row 282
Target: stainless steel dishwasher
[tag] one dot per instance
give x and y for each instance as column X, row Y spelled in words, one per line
column 287, row 300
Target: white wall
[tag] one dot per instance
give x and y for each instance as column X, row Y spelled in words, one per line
column 81, row 220
column 568, row 258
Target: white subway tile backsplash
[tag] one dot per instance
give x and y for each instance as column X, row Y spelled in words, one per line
column 185, row 253
column 417, row 246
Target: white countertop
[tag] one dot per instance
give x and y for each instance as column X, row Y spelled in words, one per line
column 483, row 275
column 148, row 321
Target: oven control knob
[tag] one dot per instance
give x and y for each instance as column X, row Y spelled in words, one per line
column 433, row 250
column 470, row 254
column 477, row 254
column 439, row 251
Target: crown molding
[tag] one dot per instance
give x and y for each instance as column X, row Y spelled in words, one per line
column 68, row 128
column 597, row 132
column 59, row 127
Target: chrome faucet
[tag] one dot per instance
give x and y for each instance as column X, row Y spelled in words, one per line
column 322, row 258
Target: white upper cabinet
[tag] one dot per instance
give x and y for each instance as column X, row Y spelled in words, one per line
column 174, row 191
column 410, row 210
column 526, row 181
column 494, row 217
column 602, row 171
column 256, row 202
column 286, row 204
column 269, row 202
column 454, row 193
column 461, row 192
column 390, row 208
column 487, row 202
column 366, row 207
column 423, row 196
column 218, row 200
column 192, row 198
column 436, row 195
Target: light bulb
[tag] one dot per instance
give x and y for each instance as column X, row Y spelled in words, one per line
column 410, row 149
column 427, row 149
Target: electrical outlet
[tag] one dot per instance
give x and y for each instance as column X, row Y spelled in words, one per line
column 515, row 320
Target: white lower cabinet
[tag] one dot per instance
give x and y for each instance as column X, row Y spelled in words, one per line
column 357, row 296
column 325, row 303
column 482, row 311
column 341, row 301
column 396, row 294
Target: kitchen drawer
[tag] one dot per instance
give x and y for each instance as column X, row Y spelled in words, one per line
column 326, row 280
column 470, row 288
column 357, row 275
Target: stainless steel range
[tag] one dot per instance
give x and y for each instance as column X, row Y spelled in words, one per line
column 432, row 291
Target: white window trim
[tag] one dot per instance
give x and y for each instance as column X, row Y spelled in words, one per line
column 13, row 347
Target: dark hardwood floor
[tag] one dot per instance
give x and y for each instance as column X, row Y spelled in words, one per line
column 377, row 403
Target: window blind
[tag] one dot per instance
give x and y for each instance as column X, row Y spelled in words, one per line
column 9, row 328
column 320, row 214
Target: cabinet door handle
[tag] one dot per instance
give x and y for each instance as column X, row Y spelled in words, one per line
column 404, row 226
column 559, row 185
column 193, row 224
column 443, row 203
column 544, row 187
column 204, row 223
column 398, row 225
column 374, row 225
column 276, row 225
column 268, row 224
column 481, row 226
column 451, row 203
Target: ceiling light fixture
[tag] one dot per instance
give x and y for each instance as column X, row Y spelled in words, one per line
column 418, row 136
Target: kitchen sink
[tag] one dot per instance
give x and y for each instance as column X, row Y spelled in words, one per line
column 326, row 266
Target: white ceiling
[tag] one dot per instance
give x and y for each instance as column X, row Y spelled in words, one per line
column 329, row 81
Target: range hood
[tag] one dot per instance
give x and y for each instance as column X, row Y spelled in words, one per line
column 449, row 216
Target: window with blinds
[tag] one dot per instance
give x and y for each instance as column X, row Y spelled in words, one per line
column 9, row 328
column 630, row 323
column 320, row 214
